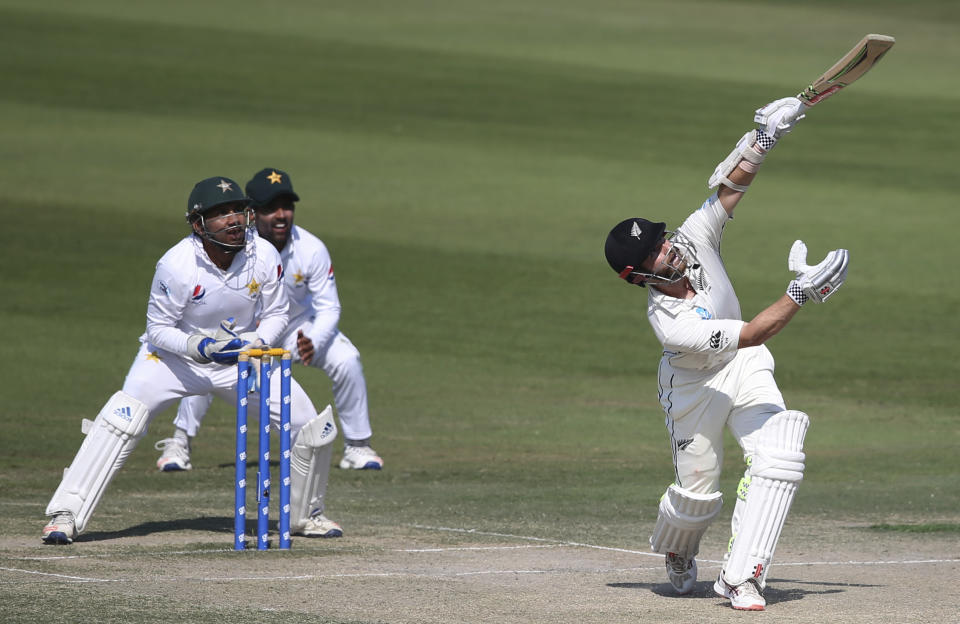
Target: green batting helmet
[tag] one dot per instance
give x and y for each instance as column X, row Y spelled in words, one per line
column 212, row 192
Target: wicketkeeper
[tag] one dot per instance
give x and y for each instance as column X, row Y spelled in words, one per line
column 313, row 335
column 213, row 293
column 716, row 372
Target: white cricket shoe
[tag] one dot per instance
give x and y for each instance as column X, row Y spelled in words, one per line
column 360, row 458
column 681, row 572
column 61, row 529
column 743, row 597
column 175, row 455
column 318, row 525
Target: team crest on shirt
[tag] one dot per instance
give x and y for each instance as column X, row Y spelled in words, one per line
column 199, row 292
column 703, row 312
column 253, row 287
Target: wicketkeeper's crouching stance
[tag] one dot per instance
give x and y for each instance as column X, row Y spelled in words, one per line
column 716, row 372
column 215, row 292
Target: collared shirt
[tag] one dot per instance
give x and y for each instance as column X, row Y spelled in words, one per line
column 311, row 287
column 700, row 333
column 190, row 294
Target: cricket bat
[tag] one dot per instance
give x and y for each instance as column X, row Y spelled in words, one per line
column 848, row 69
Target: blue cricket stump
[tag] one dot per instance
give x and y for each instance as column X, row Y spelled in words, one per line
column 244, row 370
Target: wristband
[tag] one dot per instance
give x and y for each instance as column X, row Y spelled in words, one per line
column 795, row 292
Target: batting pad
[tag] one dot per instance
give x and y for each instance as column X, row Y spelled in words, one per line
column 109, row 441
column 310, row 467
column 776, row 470
column 683, row 519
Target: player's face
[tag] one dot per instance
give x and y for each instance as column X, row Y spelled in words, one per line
column 275, row 220
column 663, row 259
column 667, row 260
column 227, row 223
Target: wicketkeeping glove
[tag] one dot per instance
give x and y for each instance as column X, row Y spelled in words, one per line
column 222, row 348
column 818, row 282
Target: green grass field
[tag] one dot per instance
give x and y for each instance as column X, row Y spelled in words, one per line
column 464, row 161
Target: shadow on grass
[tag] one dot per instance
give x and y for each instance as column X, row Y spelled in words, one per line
column 212, row 524
column 773, row 595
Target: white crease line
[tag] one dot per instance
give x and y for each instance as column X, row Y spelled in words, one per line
column 315, row 577
column 866, row 563
column 426, row 550
column 414, row 575
column 554, row 543
column 63, row 576
column 650, row 554
column 645, row 553
column 94, row 556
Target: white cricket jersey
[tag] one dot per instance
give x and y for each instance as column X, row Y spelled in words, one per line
column 311, row 287
column 700, row 333
column 191, row 294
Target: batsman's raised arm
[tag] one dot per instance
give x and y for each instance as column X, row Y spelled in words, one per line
column 735, row 173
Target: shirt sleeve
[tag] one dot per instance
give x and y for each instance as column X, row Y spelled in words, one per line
column 687, row 332
column 324, row 299
column 705, row 226
column 168, row 298
column 274, row 307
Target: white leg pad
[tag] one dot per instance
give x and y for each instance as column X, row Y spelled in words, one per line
column 683, row 519
column 775, row 472
column 109, row 441
column 310, row 467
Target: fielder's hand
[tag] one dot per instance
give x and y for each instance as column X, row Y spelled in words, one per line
column 304, row 347
column 222, row 348
column 196, row 347
column 819, row 282
column 780, row 116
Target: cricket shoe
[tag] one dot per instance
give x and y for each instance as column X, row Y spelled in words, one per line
column 360, row 458
column 61, row 529
column 318, row 525
column 175, row 455
column 681, row 572
column 743, row 597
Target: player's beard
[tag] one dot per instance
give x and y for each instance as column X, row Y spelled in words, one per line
column 276, row 235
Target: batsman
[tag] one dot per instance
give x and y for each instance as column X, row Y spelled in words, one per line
column 717, row 373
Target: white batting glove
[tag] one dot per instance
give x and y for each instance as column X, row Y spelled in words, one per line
column 780, row 116
column 816, row 283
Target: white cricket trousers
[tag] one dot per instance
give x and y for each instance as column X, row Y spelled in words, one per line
column 741, row 395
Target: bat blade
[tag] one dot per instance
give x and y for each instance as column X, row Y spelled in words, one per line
column 848, row 69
